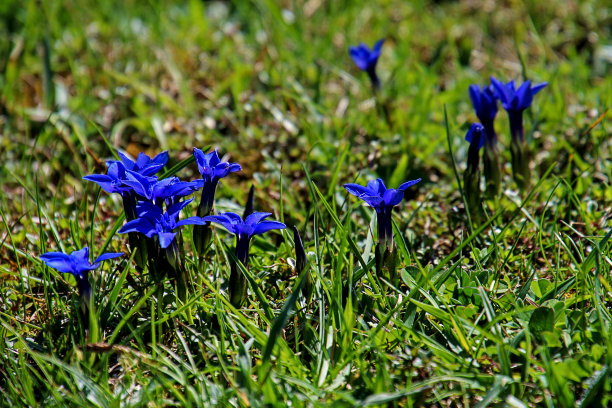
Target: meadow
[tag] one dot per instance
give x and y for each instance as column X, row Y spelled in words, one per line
column 441, row 292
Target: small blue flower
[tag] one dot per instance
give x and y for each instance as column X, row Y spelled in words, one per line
column 77, row 264
column 211, row 167
column 143, row 165
column 244, row 229
column 152, row 221
column 382, row 199
column 484, row 101
column 513, row 99
column 366, row 59
column 212, row 170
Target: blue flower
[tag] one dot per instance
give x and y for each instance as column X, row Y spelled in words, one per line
column 243, row 229
column 77, row 264
column 484, row 101
column 152, row 189
column 211, row 167
column 152, row 221
column 212, row 170
column 366, row 59
column 382, row 199
column 513, row 99
column 143, row 165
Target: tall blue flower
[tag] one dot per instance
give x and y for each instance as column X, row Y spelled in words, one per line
column 484, row 101
column 382, row 199
column 212, row 170
column 485, row 105
column 244, row 230
column 515, row 101
column 77, row 264
column 366, row 59
column 152, row 221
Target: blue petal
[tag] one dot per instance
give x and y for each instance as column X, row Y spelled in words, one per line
column 108, row 255
column 377, row 186
column 105, row 182
column 142, row 225
column 360, row 57
column 410, row 183
column 127, row 162
column 265, row 226
column 191, row 221
column 256, row 217
column 176, row 208
column 393, row 197
column 59, row 261
column 537, row 88
column 166, row 238
column 357, row 190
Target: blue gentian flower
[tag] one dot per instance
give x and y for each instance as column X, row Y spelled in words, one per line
column 475, row 136
column 485, row 105
column 366, row 59
column 244, row 230
column 212, row 170
column 254, row 224
column 484, row 101
column 154, row 190
column 382, row 199
column 515, row 101
column 143, row 165
column 77, row 264
column 152, row 221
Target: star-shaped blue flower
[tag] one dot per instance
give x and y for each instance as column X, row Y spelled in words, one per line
column 382, row 199
column 254, row 224
column 77, row 264
column 513, row 99
column 364, row 57
column 153, row 221
column 211, row 167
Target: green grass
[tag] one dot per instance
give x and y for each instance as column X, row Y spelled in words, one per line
column 511, row 310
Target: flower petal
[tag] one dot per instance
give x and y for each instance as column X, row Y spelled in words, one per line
column 166, row 238
column 265, row 226
column 108, row 255
column 142, row 225
column 411, row 183
column 256, row 217
column 59, row 261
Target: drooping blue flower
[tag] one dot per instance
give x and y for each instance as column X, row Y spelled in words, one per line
column 77, row 264
column 153, row 221
column 382, row 199
column 366, row 59
column 212, row 170
column 515, row 101
column 243, row 229
column 143, row 165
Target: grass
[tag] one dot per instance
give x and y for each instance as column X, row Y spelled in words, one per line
column 512, row 310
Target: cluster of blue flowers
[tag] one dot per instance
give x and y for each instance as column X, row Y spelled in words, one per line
column 153, row 205
column 514, row 101
column 152, row 208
